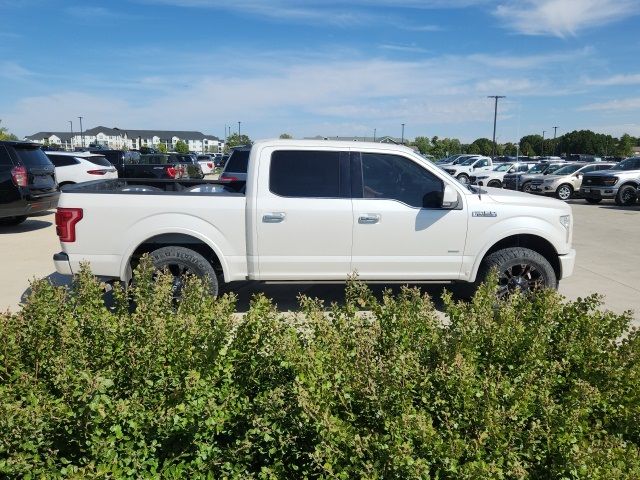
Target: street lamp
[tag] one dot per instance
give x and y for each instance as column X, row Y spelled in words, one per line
column 81, row 132
column 543, row 132
column 239, row 128
column 71, row 139
column 495, row 117
column 555, row 144
column 402, row 140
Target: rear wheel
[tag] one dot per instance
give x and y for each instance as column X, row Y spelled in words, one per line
column 11, row 221
column 181, row 261
column 519, row 269
column 593, row 200
column 626, row 196
column 564, row 192
column 494, row 183
column 526, row 187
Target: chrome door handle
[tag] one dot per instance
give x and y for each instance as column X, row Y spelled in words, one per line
column 369, row 219
column 276, row 217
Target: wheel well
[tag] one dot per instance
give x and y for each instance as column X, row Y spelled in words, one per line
column 532, row 242
column 177, row 240
column 631, row 183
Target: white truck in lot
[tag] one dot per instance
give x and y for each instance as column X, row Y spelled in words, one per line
column 317, row 211
column 471, row 166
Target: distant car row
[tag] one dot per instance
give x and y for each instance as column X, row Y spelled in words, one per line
column 593, row 181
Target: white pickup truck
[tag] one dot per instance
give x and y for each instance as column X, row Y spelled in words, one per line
column 317, row 211
column 470, row 166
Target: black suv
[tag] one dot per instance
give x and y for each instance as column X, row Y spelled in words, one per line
column 27, row 182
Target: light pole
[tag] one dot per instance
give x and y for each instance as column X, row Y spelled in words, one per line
column 71, row 140
column 555, row 145
column 402, row 140
column 543, row 132
column 81, row 132
column 495, row 117
column 374, row 134
column 239, row 130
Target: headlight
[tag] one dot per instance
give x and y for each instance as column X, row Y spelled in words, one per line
column 610, row 181
column 565, row 220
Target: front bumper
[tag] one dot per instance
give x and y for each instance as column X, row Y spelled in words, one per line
column 599, row 192
column 567, row 264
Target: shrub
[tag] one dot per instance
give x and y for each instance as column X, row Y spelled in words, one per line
column 375, row 388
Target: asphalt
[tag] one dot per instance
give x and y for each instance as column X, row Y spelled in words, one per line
column 605, row 237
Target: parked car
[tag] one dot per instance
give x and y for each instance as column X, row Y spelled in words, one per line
column 27, row 182
column 581, row 157
column 135, row 164
column 207, row 163
column 316, row 211
column 620, row 183
column 455, row 159
column 190, row 162
column 236, row 167
column 494, row 178
column 77, row 167
column 564, row 182
column 463, row 171
column 522, row 181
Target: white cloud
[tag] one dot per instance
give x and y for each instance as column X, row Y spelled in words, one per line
column 618, row 105
column 615, row 80
column 562, row 17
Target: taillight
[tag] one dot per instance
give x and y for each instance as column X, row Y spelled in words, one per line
column 228, row 178
column 66, row 219
column 20, row 176
column 172, row 171
column 209, row 164
column 97, row 172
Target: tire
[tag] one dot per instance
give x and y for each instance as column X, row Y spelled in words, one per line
column 12, row 221
column 536, row 274
column 626, row 196
column 495, row 183
column 564, row 191
column 526, row 187
column 180, row 261
column 593, row 201
column 463, row 178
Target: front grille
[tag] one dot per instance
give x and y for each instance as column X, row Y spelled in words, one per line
column 598, row 181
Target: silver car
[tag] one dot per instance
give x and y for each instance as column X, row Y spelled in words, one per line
column 566, row 180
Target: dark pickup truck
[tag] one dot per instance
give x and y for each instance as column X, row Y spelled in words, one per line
column 27, row 182
column 133, row 164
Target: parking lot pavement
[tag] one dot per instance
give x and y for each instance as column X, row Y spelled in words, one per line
column 605, row 238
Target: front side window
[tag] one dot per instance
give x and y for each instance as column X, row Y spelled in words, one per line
column 393, row 177
column 62, row 160
column 305, row 174
column 481, row 163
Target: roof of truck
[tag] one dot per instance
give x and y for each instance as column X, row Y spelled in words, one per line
column 332, row 144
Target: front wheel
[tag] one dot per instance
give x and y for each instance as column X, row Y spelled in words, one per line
column 463, row 178
column 626, row 196
column 526, row 187
column 495, row 183
column 181, row 261
column 12, row 221
column 564, row 192
column 519, row 269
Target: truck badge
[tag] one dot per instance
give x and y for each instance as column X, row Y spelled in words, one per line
column 484, row 214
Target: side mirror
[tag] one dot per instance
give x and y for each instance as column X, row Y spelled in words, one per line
column 579, row 175
column 449, row 198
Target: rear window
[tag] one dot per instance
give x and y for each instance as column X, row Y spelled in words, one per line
column 32, row 157
column 238, row 161
column 99, row 160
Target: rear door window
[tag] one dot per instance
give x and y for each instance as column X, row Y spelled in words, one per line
column 304, row 174
column 62, row 160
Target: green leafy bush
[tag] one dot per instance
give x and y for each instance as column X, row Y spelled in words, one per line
column 525, row 388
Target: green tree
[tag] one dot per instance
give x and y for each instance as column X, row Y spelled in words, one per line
column 236, row 140
column 624, row 148
column 5, row 135
column 483, row 146
column 162, row 148
column 422, row 144
column 509, row 149
column 181, row 147
column 533, row 144
column 285, row 136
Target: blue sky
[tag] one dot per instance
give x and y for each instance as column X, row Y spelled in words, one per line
column 325, row 67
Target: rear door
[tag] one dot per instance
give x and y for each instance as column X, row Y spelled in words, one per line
column 304, row 215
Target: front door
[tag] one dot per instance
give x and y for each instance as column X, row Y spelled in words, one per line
column 400, row 232
column 304, row 215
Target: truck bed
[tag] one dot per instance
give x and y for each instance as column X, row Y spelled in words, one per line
column 138, row 186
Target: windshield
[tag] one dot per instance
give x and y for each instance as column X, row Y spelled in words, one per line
column 469, row 161
column 503, row 167
column 539, row 168
column 553, row 168
column 567, row 169
column 628, row 164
